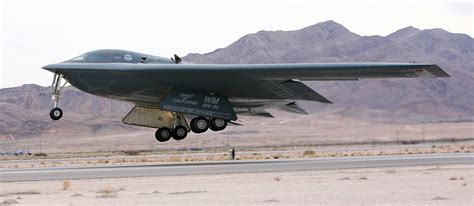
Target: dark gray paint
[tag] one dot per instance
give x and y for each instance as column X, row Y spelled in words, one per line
column 123, row 75
column 199, row 104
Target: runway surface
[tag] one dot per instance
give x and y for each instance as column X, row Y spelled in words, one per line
column 236, row 166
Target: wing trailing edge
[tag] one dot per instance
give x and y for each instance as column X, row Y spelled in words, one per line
column 296, row 90
column 293, row 108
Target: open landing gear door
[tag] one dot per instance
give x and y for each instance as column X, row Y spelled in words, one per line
column 155, row 118
column 200, row 104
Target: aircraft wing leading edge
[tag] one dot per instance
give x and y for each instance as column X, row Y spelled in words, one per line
column 315, row 71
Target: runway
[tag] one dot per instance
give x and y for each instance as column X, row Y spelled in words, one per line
column 236, row 166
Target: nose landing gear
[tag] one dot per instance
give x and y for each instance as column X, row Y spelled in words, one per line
column 56, row 113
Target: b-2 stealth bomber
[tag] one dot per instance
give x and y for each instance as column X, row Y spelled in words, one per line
column 167, row 93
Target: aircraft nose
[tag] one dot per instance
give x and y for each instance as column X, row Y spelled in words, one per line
column 50, row 67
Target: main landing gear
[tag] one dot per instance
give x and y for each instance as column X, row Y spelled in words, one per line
column 198, row 125
column 201, row 124
column 164, row 134
column 179, row 132
column 56, row 113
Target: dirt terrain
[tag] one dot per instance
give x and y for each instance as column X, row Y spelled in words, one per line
column 296, row 130
column 423, row 185
column 151, row 157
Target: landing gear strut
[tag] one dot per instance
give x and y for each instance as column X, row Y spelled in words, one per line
column 56, row 113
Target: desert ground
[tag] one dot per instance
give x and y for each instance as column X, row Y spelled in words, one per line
column 421, row 185
column 269, row 139
column 297, row 130
column 150, row 157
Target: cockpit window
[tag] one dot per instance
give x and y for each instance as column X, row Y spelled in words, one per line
column 79, row 58
column 116, row 56
column 96, row 57
column 99, row 58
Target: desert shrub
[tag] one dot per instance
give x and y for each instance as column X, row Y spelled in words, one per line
column 66, row 184
column 130, row 152
column 309, row 153
column 40, row 154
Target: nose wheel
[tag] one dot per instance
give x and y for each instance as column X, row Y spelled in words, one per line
column 56, row 113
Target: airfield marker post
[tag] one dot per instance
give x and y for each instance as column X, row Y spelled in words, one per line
column 232, row 154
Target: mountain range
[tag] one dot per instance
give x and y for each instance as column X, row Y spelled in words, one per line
column 24, row 109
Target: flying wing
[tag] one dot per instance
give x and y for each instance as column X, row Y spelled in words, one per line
column 167, row 92
column 247, row 81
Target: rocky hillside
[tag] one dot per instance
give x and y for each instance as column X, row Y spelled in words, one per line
column 25, row 113
column 24, row 110
column 384, row 100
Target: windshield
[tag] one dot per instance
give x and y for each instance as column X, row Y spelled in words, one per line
column 106, row 56
column 79, row 58
column 118, row 56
